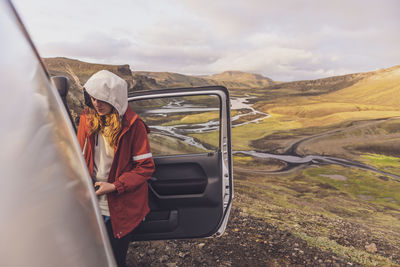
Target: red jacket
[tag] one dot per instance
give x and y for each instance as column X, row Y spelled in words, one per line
column 132, row 166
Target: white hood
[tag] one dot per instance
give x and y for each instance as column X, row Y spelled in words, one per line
column 108, row 87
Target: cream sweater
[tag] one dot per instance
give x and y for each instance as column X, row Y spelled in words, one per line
column 103, row 158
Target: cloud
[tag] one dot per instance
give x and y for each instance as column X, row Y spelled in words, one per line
column 295, row 14
column 284, row 40
column 288, row 39
column 155, row 56
column 93, row 46
column 275, row 62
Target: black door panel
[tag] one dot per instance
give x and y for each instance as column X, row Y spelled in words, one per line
column 163, row 221
column 178, row 223
column 182, row 176
column 185, row 190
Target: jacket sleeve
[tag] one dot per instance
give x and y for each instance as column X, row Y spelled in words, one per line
column 81, row 134
column 142, row 161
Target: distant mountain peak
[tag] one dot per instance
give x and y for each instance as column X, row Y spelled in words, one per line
column 241, row 77
column 238, row 73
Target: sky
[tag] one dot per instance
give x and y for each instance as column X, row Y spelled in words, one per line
column 284, row 40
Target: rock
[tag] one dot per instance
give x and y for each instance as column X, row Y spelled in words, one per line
column 210, row 262
column 151, row 251
column 243, row 214
column 182, row 254
column 186, row 247
column 171, row 264
column 157, row 244
column 226, row 263
column 164, row 258
column 371, row 248
column 201, row 245
column 199, row 259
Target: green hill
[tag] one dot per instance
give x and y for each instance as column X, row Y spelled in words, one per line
column 243, row 79
column 230, row 79
column 174, row 80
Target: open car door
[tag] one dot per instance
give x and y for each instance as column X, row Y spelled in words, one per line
column 190, row 193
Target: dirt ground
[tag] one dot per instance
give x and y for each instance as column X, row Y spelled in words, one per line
column 248, row 241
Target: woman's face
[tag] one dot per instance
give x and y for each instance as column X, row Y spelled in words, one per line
column 102, row 108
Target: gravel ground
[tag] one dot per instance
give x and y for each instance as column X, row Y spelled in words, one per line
column 248, row 241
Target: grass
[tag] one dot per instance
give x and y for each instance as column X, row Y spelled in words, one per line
column 329, row 113
column 195, row 118
column 349, row 116
column 210, row 138
column 354, row 254
column 162, row 145
column 386, row 163
column 321, row 109
column 287, row 119
column 310, row 196
column 243, row 135
column 311, row 204
column 364, row 186
column 381, row 88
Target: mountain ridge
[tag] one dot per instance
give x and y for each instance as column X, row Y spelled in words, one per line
column 238, row 82
column 235, row 75
column 230, row 79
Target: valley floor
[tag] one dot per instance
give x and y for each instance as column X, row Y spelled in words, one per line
column 253, row 241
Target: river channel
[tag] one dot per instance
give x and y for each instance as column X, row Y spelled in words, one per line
column 181, row 132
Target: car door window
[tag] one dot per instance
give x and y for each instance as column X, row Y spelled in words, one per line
column 181, row 124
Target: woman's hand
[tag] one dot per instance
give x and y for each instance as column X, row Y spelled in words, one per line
column 104, row 188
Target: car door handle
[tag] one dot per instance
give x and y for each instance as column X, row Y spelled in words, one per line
column 192, row 189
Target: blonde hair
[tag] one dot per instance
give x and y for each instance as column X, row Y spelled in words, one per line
column 109, row 125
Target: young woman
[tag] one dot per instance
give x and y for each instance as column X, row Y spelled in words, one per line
column 117, row 152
